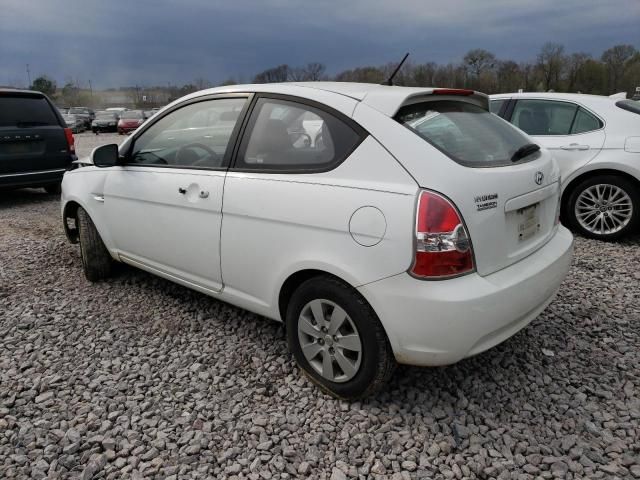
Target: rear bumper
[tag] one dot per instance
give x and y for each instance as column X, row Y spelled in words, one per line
column 32, row 179
column 442, row 322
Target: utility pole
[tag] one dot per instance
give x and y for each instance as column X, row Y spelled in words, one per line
column 90, row 89
column 28, row 76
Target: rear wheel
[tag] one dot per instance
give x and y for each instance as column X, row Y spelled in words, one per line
column 96, row 260
column 337, row 339
column 53, row 189
column 605, row 207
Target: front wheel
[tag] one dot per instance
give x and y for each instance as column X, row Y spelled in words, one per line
column 96, row 260
column 605, row 207
column 337, row 339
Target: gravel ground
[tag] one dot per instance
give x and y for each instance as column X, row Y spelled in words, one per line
column 141, row 378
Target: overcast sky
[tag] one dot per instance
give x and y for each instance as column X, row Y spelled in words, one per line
column 153, row 42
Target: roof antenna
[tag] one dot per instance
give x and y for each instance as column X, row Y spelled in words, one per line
column 390, row 80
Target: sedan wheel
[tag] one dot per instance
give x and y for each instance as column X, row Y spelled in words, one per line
column 604, row 207
column 337, row 339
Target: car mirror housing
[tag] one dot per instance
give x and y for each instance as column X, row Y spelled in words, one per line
column 105, row 156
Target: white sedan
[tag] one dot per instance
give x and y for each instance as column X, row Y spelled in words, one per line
column 410, row 226
column 596, row 141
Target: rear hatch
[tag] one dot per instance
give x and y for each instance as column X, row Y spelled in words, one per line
column 506, row 188
column 32, row 136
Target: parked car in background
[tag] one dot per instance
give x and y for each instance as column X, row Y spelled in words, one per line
column 85, row 113
column 74, row 122
column 105, row 121
column 130, row 120
column 416, row 228
column 63, row 110
column 116, row 109
column 596, row 141
column 36, row 146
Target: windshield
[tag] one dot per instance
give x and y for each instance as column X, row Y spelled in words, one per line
column 78, row 110
column 131, row 114
column 105, row 116
column 464, row 132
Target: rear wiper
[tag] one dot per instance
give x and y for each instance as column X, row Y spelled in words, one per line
column 524, row 151
column 30, row 124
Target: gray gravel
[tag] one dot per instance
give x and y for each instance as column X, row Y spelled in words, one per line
column 141, row 378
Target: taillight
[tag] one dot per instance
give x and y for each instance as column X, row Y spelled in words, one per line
column 452, row 91
column 443, row 246
column 71, row 142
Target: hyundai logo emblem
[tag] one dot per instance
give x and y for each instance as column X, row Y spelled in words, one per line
column 539, row 177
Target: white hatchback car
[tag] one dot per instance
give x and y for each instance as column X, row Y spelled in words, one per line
column 596, row 141
column 380, row 223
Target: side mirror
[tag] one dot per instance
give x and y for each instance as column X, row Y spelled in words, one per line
column 105, row 156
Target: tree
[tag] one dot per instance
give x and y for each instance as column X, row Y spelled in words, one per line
column 575, row 63
column 550, row 63
column 616, row 59
column 509, row 77
column 70, row 93
column 44, row 84
column 478, row 61
column 272, row 75
column 591, row 77
column 362, row 74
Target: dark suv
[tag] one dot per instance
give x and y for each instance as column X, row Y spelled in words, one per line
column 36, row 147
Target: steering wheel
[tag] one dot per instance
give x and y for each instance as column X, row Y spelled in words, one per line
column 182, row 157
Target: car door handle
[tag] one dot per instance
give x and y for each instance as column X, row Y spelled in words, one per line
column 182, row 190
column 575, row 146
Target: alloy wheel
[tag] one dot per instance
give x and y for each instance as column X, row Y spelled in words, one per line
column 603, row 209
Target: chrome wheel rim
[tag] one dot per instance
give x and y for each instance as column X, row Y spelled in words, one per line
column 329, row 340
column 603, row 209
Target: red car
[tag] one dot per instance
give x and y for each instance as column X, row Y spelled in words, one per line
column 130, row 120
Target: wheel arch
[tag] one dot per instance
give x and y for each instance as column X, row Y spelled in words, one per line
column 70, row 212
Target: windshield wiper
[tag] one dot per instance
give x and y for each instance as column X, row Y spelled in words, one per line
column 524, row 151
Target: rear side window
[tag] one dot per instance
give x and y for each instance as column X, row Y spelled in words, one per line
column 465, row 132
column 585, row 122
column 632, row 106
column 544, row 117
column 496, row 105
column 286, row 135
column 26, row 111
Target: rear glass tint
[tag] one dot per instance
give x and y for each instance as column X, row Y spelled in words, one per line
column 26, row 111
column 585, row 122
column 465, row 132
column 496, row 105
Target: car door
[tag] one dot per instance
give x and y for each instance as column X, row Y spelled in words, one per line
column 164, row 205
column 572, row 133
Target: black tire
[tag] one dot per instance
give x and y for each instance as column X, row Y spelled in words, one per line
column 96, row 260
column 53, row 189
column 377, row 362
column 624, row 184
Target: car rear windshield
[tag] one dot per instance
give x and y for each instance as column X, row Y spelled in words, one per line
column 131, row 114
column 26, row 111
column 632, row 106
column 465, row 132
